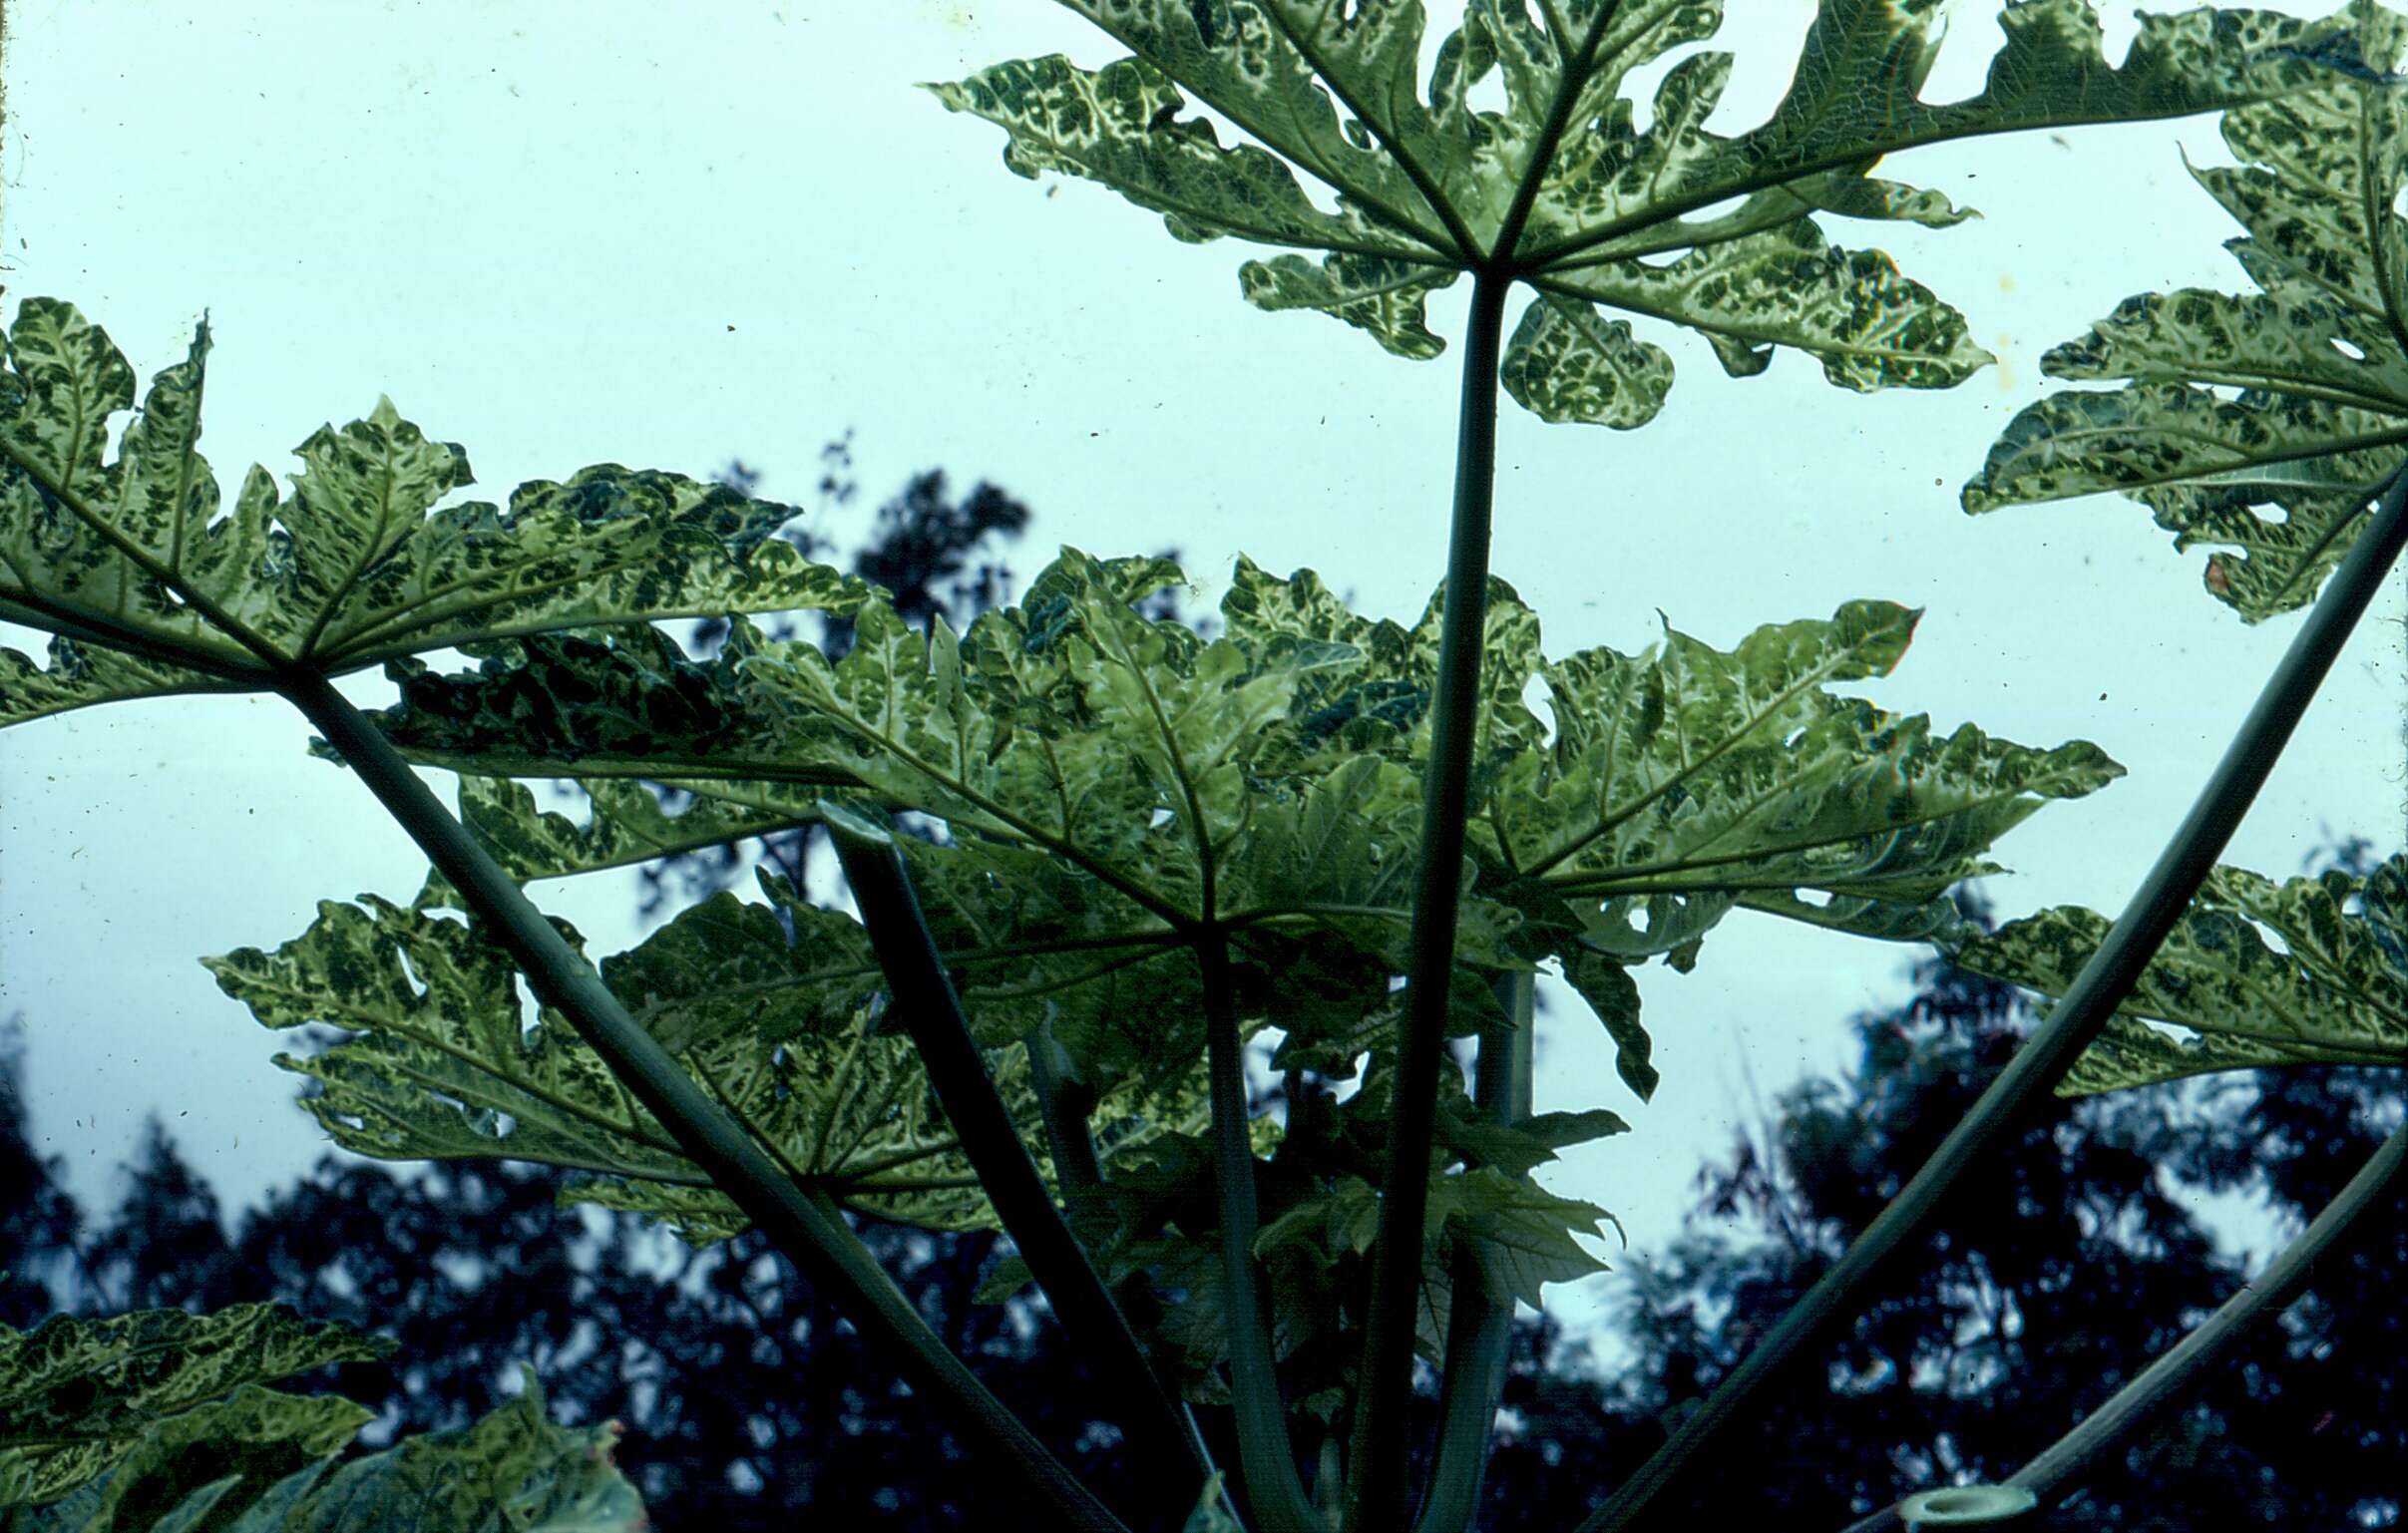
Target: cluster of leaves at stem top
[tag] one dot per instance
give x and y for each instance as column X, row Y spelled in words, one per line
column 162, row 1422
column 1113, row 791
column 1717, row 234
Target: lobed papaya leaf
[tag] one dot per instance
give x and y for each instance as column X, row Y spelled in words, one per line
column 1716, row 777
column 2258, row 424
column 764, row 1002
column 1563, row 190
column 1091, row 766
column 80, row 1398
column 2330, row 989
column 150, row 585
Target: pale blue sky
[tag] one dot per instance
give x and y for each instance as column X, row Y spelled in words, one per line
column 566, row 234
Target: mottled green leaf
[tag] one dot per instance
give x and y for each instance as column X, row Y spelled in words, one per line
column 1524, row 1232
column 1376, row 293
column 1614, row 997
column 79, row 1398
column 765, row 1003
column 1851, row 310
column 1715, row 777
column 626, row 824
column 1425, row 183
column 1568, row 362
column 1091, row 765
column 2313, row 971
column 2258, row 424
column 153, row 586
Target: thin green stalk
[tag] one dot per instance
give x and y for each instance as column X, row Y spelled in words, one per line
column 820, row 1246
column 1065, row 1105
column 2050, row 1477
column 930, row 1011
column 1274, row 1490
column 1380, row 1489
column 2096, row 993
column 1479, row 1320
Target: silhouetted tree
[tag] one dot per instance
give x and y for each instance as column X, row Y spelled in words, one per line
column 2067, row 1261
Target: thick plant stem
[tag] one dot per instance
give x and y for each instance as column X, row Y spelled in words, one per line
column 1267, row 1459
column 2094, row 995
column 930, row 1011
column 810, row 1235
column 2050, row 1477
column 1479, row 1318
column 1379, row 1491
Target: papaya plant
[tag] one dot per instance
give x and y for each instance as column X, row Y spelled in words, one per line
column 1349, row 838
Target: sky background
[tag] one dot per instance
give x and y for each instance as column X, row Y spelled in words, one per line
column 563, row 235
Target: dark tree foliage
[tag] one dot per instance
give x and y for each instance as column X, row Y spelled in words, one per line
column 39, row 1223
column 2076, row 1258
column 2068, row 1262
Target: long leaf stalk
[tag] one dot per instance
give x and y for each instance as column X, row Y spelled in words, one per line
column 1265, row 1456
column 811, row 1235
column 1479, row 1320
column 1379, row 1488
column 931, row 1011
column 2104, row 981
column 2052, row 1476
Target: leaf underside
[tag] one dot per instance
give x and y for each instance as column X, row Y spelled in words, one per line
column 2330, row 989
column 1090, row 766
column 1716, row 232
column 2258, row 424
column 261, row 1462
column 150, row 585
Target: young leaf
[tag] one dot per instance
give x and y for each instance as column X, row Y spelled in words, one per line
column 79, row 1397
column 151, row 590
column 2313, row 368
column 2334, row 992
column 1562, row 189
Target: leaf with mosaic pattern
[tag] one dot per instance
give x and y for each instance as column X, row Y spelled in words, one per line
column 1714, row 777
column 2330, row 988
column 78, row 1397
column 150, row 589
column 1427, row 182
column 2258, row 424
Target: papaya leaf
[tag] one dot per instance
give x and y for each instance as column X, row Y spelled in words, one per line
column 514, row 1471
column 1095, row 769
column 1716, row 777
column 1524, row 1232
column 2259, row 424
column 79, row 1397
column 764, row 1002
column 1562, row 189
column 1614, row 997
column 628, row 826
column 2334, row 992
column 150, row 585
